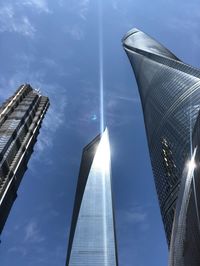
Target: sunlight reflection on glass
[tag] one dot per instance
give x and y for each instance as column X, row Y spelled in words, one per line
column 191, row 163
column 102, row 157
column 179, row 227
column 102, row 164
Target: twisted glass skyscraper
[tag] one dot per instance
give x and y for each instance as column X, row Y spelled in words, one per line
column 92, row 239
column 20, row 119
column 185, row 239
column 170, row 95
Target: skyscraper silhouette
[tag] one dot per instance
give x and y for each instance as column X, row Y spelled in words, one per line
column 92, row 239
column 20, row 119
column 170, row 95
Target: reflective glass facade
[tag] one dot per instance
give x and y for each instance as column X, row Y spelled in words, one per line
column 170, row 95
column 185, row 242
column 92, row 237
column 20, row 119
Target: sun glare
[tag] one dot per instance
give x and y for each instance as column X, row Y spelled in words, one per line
column 102, row 157
column 191, row 163
column 101, row 73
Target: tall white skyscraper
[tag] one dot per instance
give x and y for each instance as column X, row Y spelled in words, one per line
column 92, row 238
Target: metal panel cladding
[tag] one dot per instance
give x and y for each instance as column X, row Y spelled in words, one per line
column 92, row 238
column 20, row 120
column 170, row 96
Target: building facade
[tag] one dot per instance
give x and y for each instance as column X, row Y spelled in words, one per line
column 185, row 240
column 170, row 95
column 92, row 239
column 20, row 119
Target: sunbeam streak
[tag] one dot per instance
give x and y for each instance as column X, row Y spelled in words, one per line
column 101, row 72
column 101, row 87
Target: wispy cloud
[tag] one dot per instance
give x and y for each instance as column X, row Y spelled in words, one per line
column 18, row 249
column 79, row 8
column 75, row 32
column 55, row 116
column 14, row 18
column 10, row 22
column 115, row 4
column 132, row 227
column 88, row 109
column 186, row 21
column 117, row 101
column 189, row 24
column 189, row 28
column 84, row 6
column 120, row 6
column 136, row 215
column 39, row 5
column 32, row 233
column 117, row 105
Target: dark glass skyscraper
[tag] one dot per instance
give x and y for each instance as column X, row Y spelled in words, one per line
column 185, row 240
column 92, row 239
column 170, row 95
column 20, row 119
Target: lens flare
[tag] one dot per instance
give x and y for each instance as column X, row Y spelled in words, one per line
column 101, row 73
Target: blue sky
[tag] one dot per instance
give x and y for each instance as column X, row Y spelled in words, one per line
column 54, row 46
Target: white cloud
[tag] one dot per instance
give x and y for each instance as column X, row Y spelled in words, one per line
column 13, row 16
column 53, row 119
column 32, row 233
column 10, row 22
column 39, row 5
